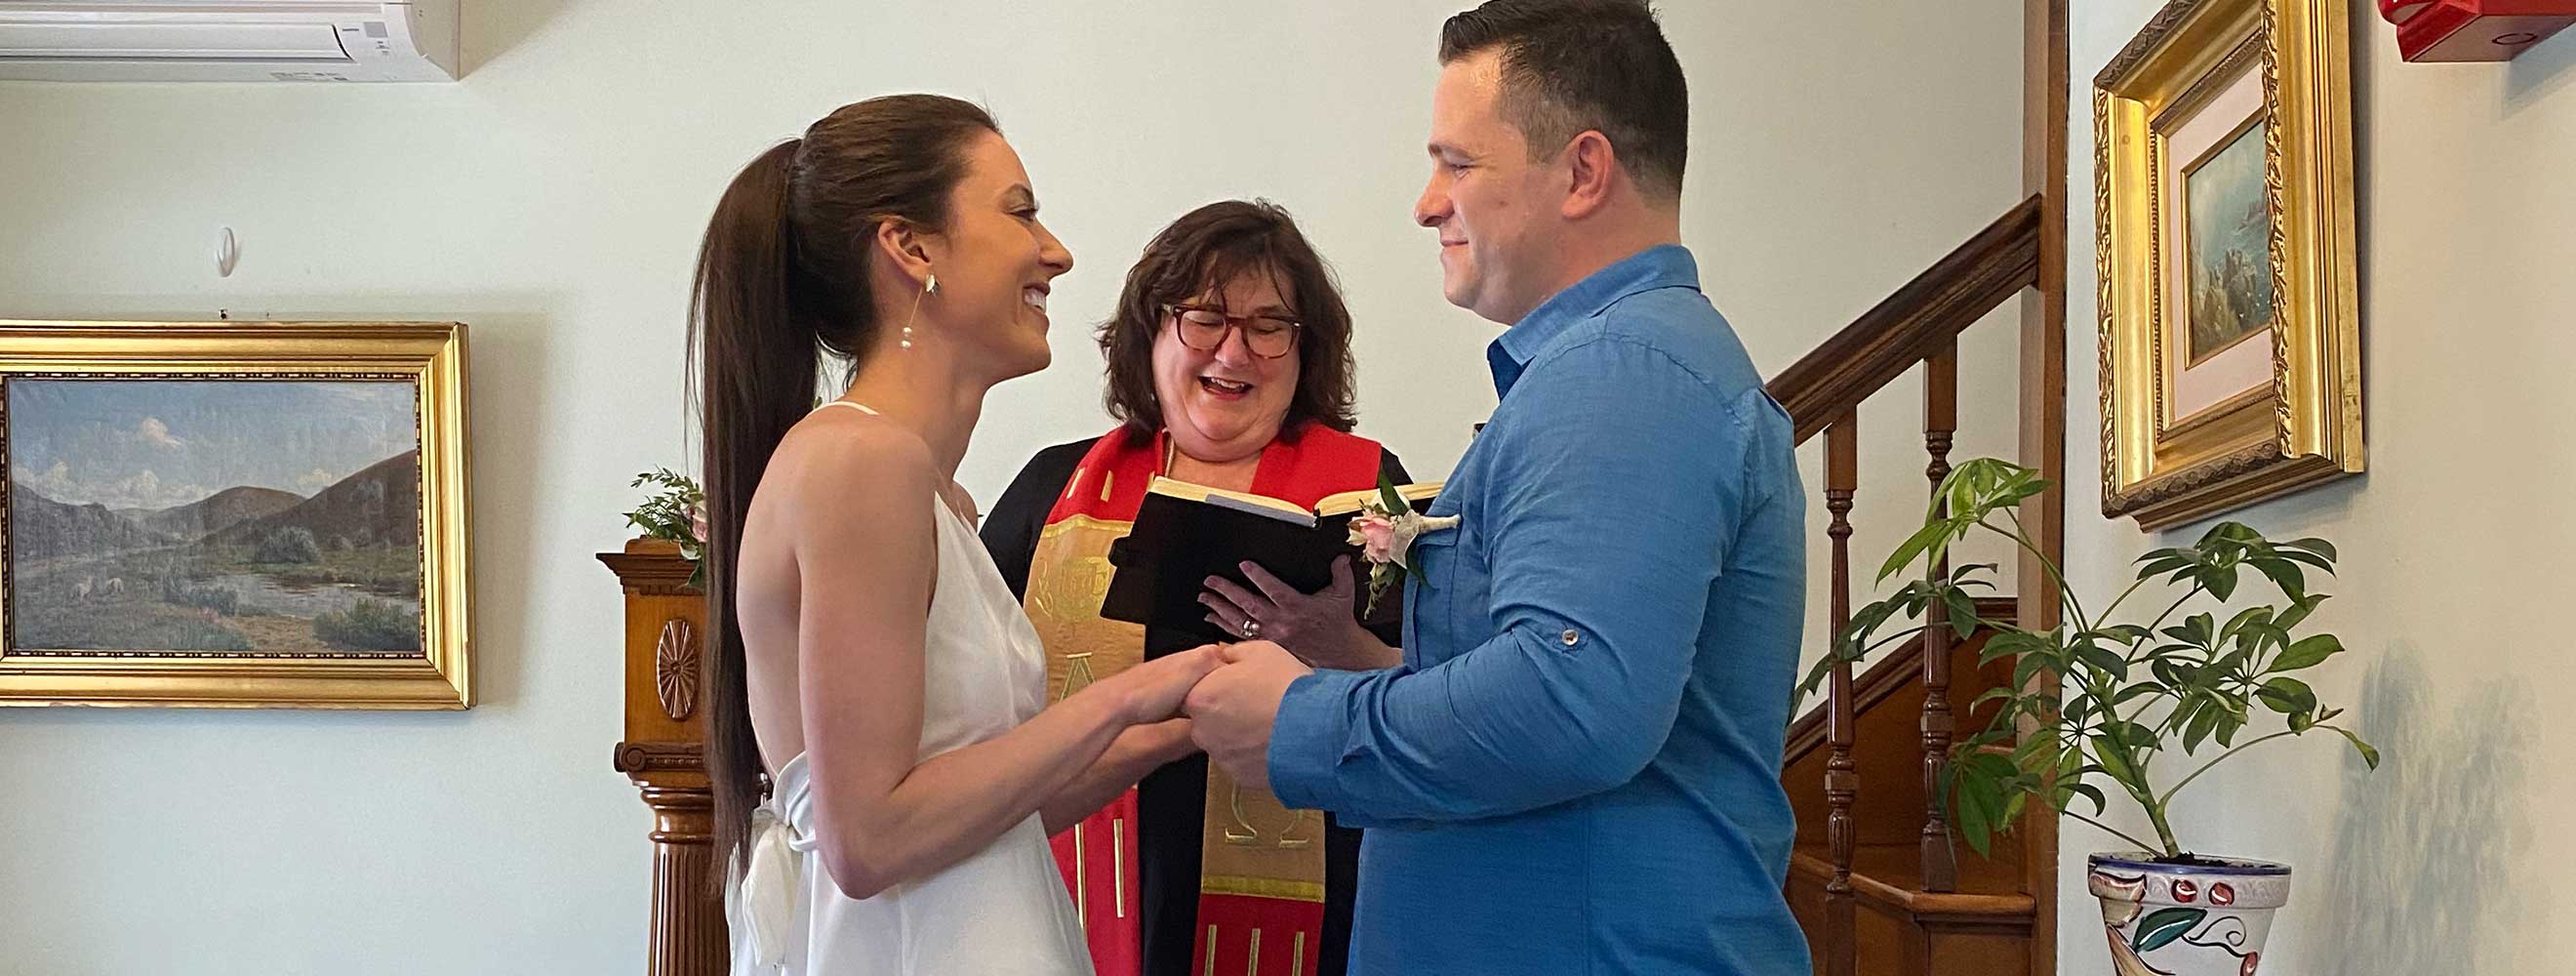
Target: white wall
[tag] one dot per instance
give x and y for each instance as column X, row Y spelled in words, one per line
column 2455, row 545
column 553, row 200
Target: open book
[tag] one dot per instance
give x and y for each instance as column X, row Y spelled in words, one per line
column 1186, row 533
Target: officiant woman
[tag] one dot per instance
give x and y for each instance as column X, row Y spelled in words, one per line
column 1229, row 365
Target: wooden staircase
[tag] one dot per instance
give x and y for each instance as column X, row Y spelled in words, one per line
column 1878, row 878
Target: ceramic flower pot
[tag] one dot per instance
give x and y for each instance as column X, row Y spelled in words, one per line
column 2207, row 918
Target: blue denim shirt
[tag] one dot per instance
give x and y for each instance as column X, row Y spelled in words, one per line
column 1576, row 769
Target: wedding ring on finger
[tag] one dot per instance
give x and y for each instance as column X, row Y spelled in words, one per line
column 1251, row 628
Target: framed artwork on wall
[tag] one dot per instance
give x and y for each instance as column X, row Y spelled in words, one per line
column 2223, row 199
column 234, row 515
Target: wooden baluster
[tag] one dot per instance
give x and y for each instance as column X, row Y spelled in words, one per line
column 1842, row 780
column 1940, row 421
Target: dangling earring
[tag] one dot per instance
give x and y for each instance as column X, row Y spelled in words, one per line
column 927, row 287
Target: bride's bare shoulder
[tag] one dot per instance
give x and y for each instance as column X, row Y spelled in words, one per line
column 845, row 458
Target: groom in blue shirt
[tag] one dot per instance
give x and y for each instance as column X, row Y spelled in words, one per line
column 1576, row 768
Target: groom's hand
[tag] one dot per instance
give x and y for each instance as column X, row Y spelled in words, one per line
column 1232, row 708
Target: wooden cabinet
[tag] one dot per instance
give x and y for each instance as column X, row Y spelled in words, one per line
column 665, row 731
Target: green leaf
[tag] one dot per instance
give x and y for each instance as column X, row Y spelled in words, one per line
column 1933, row 533
column 1990, row 695
column 2319, row 546
column 2235, row 704
column 2232, row 531
column 2227, row 726
column 2287, row 696
column 2161, row 566
column 2165, row 925
column 2174, row 673
column 2298, row 611
column 2308, row 652
column 2127, row 633
column 2237, row 624
column 1388, row 496
column 2204, row 720
column 2221, row 581
column 1974, row 827
column 1963, row 611
column 2310, row 559
column 2009, row 643
column 2268, row 635
column 2103, row 659
column 2114, row 760
column 2284, row 574
column 2232, row 663
column 2030, row 666
column 1993, row 766
column 2088, row 792
column 2136, row 690
column 2131, row 734
column 2368, row 755
column 1959, row 576
column 2029, row 752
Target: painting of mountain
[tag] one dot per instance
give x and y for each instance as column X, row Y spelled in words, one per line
column 379, row 504
column 223, row 510
column 213, row 516
column 41, row 528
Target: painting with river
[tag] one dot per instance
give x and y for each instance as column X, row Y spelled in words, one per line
column 254, row 516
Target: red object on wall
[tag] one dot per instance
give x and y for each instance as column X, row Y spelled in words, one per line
column 2474, row 30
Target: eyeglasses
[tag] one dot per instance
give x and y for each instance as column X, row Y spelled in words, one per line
column 1203, row 328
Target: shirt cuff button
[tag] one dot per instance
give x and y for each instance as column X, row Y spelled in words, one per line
column 1570, row 637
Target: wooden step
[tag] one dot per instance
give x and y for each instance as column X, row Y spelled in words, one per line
column 1989, row 924
column 1900, row 930
column 1889, row 877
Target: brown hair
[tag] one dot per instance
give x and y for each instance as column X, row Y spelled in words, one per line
column 1576, row 65
column 782, row 281
column 1202, row 251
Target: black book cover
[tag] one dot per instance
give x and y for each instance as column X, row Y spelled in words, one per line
column 1185, row 533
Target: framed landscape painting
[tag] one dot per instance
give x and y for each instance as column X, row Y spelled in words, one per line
column 2231, row 340
column 234, row 515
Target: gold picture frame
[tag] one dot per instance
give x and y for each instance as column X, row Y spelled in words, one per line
column 345, row 586
column 2223, row 198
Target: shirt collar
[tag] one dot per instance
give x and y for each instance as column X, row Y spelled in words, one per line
column 1662, row 266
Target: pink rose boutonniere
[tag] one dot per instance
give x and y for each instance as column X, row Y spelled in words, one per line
column 1384, row 530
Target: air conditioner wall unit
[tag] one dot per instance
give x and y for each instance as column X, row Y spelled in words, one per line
column 228, row 40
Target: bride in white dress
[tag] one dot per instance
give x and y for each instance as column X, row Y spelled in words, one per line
column 866, row 655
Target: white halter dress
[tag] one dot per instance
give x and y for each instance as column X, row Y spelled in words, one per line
column 1003, row 910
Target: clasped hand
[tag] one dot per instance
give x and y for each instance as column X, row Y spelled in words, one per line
column 1230, row 693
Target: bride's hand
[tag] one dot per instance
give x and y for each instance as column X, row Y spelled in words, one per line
column 1155, row 689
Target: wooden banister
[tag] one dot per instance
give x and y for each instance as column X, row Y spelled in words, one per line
column 1940, row 422
column 1912, row 324
column 1842, row 778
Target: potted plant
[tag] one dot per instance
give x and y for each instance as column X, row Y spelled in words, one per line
column 675, row 512
column 2096, row 703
